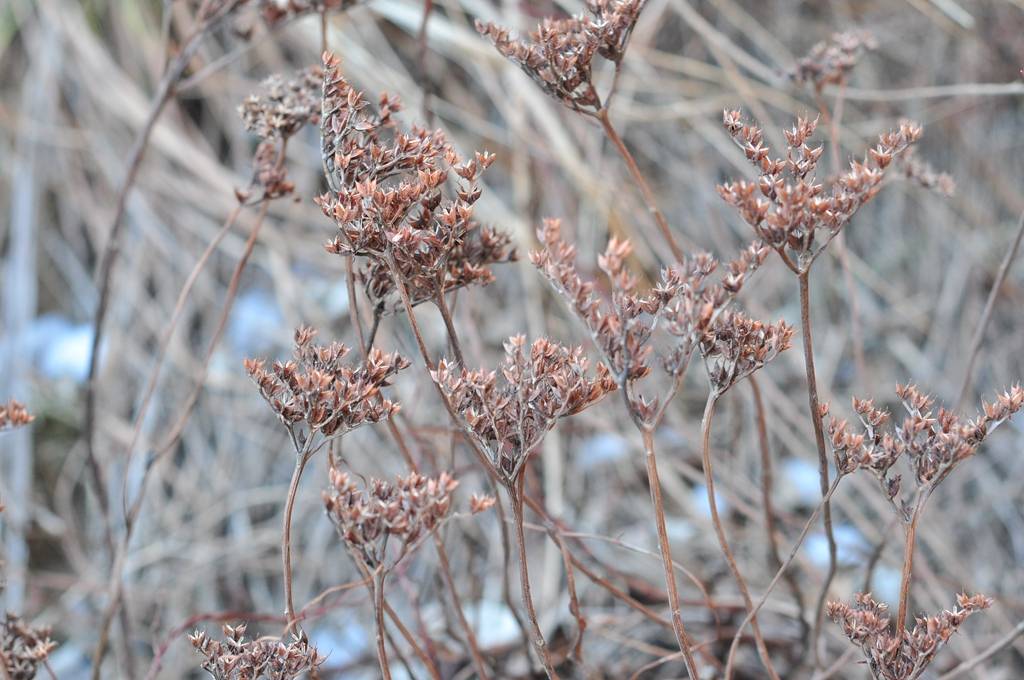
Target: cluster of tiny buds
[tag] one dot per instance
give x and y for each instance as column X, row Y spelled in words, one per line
column 934, row 443
column 23, row 648
column 829, row 62
column 14, row 414
column 903, row 655
column 559, row 54
column 540, row 384
column 237, row 658
column 318, row 389
column 786, row 206
column 402, row 200
column 734, row 346
column 399, row 514
column 283, row 106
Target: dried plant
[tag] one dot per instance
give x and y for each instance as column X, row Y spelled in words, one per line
column 398, row 515
column 507, row 420
column 905, row 654
column 237, row 658
column 320, row 398
column 23, row 648
column 931, row 443
column 283, row 106
column 733, row 347
column 792, row 212
column 829, row 62
column 559, row 54
column 684, row 304
column 14, row 414
column 402, row 200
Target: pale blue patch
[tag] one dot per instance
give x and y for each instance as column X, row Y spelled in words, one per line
column 601, row 448
column 256, row 322
column 850, row 546
column 699, row 500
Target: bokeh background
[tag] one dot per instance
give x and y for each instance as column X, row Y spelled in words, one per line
column 77, row 81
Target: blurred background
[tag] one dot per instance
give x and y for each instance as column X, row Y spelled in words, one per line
column 78, row 83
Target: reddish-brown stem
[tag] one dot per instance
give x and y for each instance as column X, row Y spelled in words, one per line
column 453, row 339
column 654, row 482
column 908, row 565
column 723, row 541
column 767, row 482
column 819, row 439
column 467, row 630
column 641, row 183
column 378, row 613
column 515, row 492
column 301, row 458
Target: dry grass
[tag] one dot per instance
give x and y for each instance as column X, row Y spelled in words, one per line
column 573, row 512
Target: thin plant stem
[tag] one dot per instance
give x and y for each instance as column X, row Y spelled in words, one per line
column 996, row 647
column 638, row 178
column 467, row 630
column 453, row 340
column 301, row 458
column 515, row 492
column 823, row 472
column 378, row 613
column 767, row 479
column 723, row 541
column 778, row 575
column 654, row 482
column 986, row 315
column 908, row 563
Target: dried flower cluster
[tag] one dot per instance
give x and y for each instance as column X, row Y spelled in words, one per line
column 275, row 12
column 318, row 390
column 923, row 174
column 539, row 384
column 393, row 200
column 905, row 655
column 23, row 648
column 684, row 302
column 279, row 110
column 830, row 61
column 14, row 414
column 786, row 206
column 263, row 659
column 283, row 106
column 734, row 346
column 398, row 514
column 932, row 443
column 559, row 54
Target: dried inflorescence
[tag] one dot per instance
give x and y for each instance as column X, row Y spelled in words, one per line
column 384, row 514
column 283, row 106
column 14, row 414
column 319, row 391
column 540, row 383
column 907, row 654
column 734, row 346
column 685, row 303
column 402, row 200
column 262, row 659
column 275, row 12
column 924, row 175
column 23, row 648
column 830, row 61
column 933, row 444
column 559, row 54
column 786, row 206
column 277, row 112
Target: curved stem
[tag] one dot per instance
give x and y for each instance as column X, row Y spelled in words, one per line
column 301, row 459
column 723, row 541
column 378, row 613
column 654, row 482
column 516, row 493
column 819, row 439
column 641, row 183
